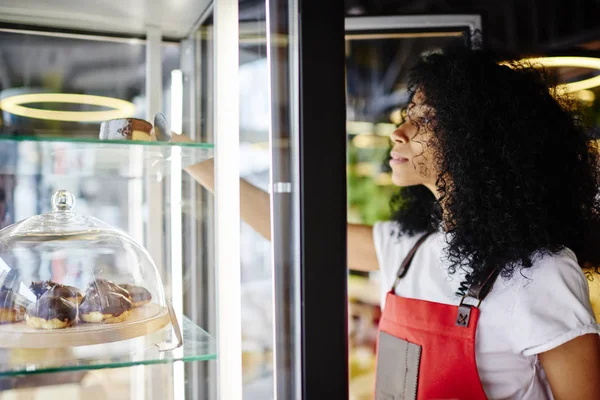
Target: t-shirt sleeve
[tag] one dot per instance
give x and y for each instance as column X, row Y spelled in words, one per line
column 387, row 250
column 552, row 305
column 381, row 238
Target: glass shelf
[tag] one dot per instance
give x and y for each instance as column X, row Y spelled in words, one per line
column 80, row 157
column 197, row 346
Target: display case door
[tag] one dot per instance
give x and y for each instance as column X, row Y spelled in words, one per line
column 308, row 195
column 379, row 52
column 305, row 138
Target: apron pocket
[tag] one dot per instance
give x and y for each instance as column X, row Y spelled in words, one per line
column 397, row 368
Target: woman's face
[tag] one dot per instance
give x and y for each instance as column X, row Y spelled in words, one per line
column 412, row 159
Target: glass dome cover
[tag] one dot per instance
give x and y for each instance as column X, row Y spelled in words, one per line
column 61, row 224
column 71, row 273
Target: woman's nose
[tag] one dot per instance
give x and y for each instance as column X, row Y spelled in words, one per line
column 399, row 134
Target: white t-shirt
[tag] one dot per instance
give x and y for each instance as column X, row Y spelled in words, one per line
column 536, row 310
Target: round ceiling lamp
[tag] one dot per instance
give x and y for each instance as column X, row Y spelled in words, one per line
column 118, row 108
column 576, row 62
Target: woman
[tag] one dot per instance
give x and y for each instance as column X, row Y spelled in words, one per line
column 512, row 182
column 483, row 292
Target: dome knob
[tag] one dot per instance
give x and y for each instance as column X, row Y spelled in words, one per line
column 62, row 200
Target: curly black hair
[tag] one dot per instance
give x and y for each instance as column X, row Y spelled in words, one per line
column 519, row 174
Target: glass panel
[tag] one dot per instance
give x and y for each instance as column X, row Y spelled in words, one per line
column 255, row 169
column 49, row 63
column 197, row 346
column 283, row 55
column 376, row 92
column 377, row 64
column 97, row 384
column 137, row 186
column 85, row 158
column 198, row 229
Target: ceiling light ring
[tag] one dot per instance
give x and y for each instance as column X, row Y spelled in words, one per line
column 119, row 108
column 570, row 61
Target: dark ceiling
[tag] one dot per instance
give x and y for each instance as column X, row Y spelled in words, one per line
column 521, row 26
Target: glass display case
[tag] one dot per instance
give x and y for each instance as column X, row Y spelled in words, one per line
column 139, row 268
column 379, row 53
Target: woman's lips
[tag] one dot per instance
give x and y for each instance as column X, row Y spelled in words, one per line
column 397, row 158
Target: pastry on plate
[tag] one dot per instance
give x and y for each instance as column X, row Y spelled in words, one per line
column 104, row 285
column 51, row 312
column 10, row 310
column 53, row 289
column 105, row 302
column 108, row 307
column 139, row 295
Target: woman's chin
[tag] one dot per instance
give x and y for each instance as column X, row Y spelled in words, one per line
column 401, row 181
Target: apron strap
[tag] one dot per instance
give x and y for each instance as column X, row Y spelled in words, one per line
column 481, row 289
column 477, row 291
column 408, row 259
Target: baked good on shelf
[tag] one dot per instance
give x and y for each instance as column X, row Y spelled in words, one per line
column 53, row 289
column 108, row 307
column 139, row 295
column 40, row 287
column 51, row 312
column 10, row 311
column 104, row 285
column 127, row 129
column 105, row 302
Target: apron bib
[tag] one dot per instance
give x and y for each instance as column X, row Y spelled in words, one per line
column 426, row 350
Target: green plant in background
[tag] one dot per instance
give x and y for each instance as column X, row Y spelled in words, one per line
column 368, row 201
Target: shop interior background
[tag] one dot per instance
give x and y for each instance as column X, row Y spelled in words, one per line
column 376, row 91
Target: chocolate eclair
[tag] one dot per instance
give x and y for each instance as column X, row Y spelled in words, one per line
column 139, row 295
column 10, row 311
column 51, row 312
column 104, row 286
column 104, row 306
column 53, row 289
column 39, row 288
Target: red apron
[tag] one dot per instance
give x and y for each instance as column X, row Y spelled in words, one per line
column 426, row 350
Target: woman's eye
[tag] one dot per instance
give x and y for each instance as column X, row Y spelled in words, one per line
column 400, row 117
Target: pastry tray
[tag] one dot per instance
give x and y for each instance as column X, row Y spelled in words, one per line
column 142, row 321
column 197, row 345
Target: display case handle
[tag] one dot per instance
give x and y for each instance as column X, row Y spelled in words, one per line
column 168, row 346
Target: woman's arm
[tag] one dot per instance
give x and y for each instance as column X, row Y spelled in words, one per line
column 573, row 369
column 361, row 248
column 255, row 211
column 254, row 204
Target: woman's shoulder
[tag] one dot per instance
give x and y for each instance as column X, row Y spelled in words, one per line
column 386, row 228
column 391, row 231
column 547, row 272
column 552, row 268
column 389, row 234
column 551, row 303
column 392, row 244
column 541, row 307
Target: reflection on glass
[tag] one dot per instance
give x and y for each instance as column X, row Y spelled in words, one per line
column 198, row 240
column 35, row 63
column 255, row 168
column 131, row 186
column 377, row 66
